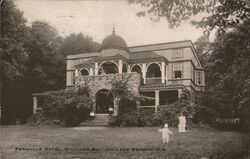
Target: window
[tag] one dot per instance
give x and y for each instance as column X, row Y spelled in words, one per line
column 177, row 70
column 199, row 77
column 177, row 53
column 73, row 78
column 177, row 74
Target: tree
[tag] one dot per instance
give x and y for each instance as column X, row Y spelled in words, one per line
column 13, row 57
column 78, row 43
column 28, row 62
column 227, row 73
column 32, row 60
column 202, row 49
column 221, row 14
column 46, row 67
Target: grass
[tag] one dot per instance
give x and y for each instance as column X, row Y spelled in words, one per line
column 196, row 143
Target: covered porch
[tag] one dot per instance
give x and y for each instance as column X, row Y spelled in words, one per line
column 158, row 95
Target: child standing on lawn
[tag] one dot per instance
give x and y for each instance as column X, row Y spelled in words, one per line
column 165, row 133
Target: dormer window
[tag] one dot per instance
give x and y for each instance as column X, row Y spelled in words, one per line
column 177, row 53
column 177, row 70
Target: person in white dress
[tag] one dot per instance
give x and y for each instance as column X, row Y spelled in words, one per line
column 165, row 133
column 182, row 124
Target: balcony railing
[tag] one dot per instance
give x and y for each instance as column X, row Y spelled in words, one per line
column 154, row 80
column 175, row 82
column 108, row 77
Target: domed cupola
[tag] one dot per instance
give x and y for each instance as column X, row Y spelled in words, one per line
column 114, row 41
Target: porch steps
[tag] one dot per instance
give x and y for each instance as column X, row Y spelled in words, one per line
column 99, row 120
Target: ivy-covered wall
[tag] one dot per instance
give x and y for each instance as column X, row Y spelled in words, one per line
column 96, row 83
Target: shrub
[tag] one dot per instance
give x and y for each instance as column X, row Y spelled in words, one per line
column 129, row 115
column 70, row 107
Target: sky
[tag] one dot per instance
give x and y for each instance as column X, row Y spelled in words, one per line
column 96, row 18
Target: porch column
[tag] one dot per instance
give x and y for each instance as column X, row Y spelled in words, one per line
column 96, row 68
column 166, row 75
column 91, row 71
column 129, row 69
column 144, row 70
column 179, row 93
column 157, row 99
column 163, row 72
column 76, row 73
column 34, row 104
column 120, row 66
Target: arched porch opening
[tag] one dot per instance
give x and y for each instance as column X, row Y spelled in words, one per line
column 84, row 72
column 109, row 67
column 104, row 100
column 153, row 74
column 136, row 68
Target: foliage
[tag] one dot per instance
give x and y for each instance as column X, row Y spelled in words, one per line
column 125, row 100
column 227, row 77
column 170, row 113
column 32, row 60
column 130, row 116
column 219, row 13
column 126, row 104
column 12, row 61
column 70, row 107
column 78, row 43
column 202, row 49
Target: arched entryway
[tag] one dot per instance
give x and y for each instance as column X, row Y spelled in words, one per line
column 104, row 100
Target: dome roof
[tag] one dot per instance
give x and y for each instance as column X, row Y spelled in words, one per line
column 114, row 41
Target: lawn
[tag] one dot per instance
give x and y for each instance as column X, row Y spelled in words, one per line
column 119, row 143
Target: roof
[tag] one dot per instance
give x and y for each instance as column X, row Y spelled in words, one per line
column 148, row 56
column 90, row 63
column 161, row 46
column 146, row 51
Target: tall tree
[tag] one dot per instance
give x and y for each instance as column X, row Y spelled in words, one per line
column 13, row 57
column 32, row 60
column 227, row 73
column 45, row 66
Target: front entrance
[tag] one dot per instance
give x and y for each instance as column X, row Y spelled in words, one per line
column 104, row 100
